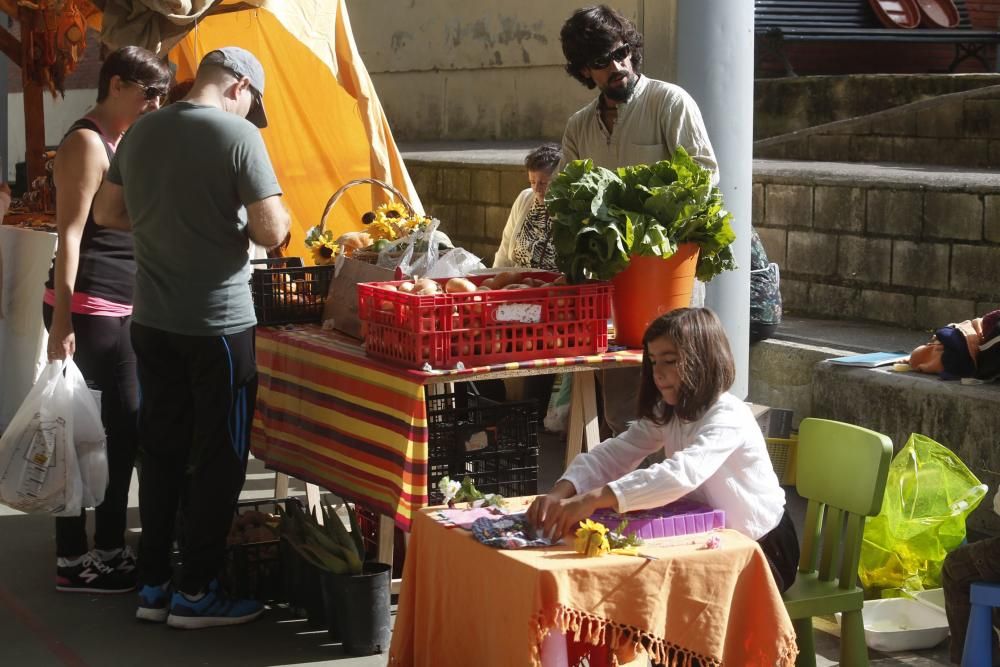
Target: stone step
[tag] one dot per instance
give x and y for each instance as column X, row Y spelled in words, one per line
column 790, row 371
column 956, row 129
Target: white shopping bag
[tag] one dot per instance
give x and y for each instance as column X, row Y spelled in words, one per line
column 39, row 472
column 89, row 439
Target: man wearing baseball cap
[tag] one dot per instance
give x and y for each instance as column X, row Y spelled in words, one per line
column 195, row 185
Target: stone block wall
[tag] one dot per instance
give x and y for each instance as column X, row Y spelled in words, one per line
column 471, row 200
column 913, row 256
column 958, row 129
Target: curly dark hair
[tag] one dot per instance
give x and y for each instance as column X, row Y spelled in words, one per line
column 705, row 364
column 133, row 63
column 592, row 32
column 544, row 158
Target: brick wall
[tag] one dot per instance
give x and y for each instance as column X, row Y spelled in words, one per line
column 913, row 256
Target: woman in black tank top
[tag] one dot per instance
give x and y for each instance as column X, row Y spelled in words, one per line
column 87, row 310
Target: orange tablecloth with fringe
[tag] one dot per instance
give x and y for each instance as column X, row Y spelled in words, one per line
column 463, row 603
column 328, row 414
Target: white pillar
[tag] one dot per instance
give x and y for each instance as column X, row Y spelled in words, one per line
column 715, row 63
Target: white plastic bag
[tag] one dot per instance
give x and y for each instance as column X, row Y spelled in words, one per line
column 39, row 472
column 415, row 254
column 456, row 263
column 89, row 439
column 557, row 417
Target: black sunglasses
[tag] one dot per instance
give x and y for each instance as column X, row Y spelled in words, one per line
column 150, row 92
column 618, row 55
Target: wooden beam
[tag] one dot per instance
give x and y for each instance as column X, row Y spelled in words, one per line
column 34, row 130
column 10, row 46
column 228, row 9
column 9, row 7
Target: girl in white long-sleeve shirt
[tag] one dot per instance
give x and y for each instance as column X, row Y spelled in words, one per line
column 714, row 450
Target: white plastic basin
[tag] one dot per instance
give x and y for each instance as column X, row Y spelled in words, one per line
column 901, row 624
column 933, row 597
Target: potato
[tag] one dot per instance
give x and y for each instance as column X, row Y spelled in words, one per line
column 483, row 288
column 517, row 286
column 426, row 287
column 407, row 287
column 459, row 285
column 561, row 280
column 489, row 283
column 505, row 278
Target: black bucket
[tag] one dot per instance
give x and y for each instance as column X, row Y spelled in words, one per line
column 357, row 608
column 303, row 587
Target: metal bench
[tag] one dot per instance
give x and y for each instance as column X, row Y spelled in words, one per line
column 779, row 21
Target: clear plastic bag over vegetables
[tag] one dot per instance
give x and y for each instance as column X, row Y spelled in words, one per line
column 928, row 496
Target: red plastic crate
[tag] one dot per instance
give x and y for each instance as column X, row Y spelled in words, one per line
column 488, row 327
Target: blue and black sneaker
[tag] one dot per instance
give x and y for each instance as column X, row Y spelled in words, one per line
column 212, row 609
column 154, row 603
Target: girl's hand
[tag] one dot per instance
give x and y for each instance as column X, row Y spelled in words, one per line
column 564, row 519
column 541, row 507
column 62, row 341
column 555, row 517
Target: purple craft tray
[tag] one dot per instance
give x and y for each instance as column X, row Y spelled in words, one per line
column 683, row 517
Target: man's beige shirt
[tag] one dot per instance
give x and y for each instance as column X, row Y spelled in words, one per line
column 657, row 119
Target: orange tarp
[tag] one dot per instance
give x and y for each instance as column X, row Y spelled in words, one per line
column 325, row 123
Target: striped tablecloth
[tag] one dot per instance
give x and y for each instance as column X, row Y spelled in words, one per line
column 328, row 414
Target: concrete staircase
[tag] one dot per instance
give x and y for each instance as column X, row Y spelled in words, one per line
column 886, row 226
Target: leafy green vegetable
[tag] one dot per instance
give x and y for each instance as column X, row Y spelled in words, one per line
column 603, row 217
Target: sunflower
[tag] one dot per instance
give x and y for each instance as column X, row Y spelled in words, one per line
column 415, row 222
column 392, row 210
column 591, row 539
column 324, row 248
column 382, row 229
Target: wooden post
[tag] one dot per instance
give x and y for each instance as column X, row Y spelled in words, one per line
column 34, row 110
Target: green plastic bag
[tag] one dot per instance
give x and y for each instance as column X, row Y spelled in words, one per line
column 928, row 496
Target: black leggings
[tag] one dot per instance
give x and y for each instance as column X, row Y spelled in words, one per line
column 105, row 357
column 198, row 397
column 781, row 547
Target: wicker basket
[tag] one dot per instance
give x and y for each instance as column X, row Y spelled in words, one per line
column 368, row 256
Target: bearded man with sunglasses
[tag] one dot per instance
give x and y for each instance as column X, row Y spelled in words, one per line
column 635, row 119
column 195, row 184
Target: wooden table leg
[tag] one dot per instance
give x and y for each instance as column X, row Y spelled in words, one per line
column 583, row 432
column 386, row 544
column 280, row 485
column 312, row 501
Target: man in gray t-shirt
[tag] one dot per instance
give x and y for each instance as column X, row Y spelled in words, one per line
column 195, row 185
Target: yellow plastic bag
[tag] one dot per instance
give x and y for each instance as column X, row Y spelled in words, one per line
column 928, row 495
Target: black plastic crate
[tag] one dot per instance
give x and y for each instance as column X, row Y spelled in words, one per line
column 254, row 569
column 496, row 444
column 284, row 291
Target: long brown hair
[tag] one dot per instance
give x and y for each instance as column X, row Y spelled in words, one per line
column 705, row 364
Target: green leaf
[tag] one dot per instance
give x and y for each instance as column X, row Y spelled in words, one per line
column 602, row 217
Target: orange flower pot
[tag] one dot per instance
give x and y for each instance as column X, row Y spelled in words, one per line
column 650, row 287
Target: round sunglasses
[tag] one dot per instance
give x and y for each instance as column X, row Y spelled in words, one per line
column 149, row 92
column 618, row 55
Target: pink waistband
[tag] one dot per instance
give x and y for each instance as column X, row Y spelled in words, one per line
column 85, row 304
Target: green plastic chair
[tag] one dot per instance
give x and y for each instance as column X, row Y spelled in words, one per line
column 841, row 470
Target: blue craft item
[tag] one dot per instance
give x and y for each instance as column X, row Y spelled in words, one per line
column 510, row 532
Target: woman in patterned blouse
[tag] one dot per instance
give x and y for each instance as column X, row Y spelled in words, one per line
column 527, row 244
column 527, row 237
